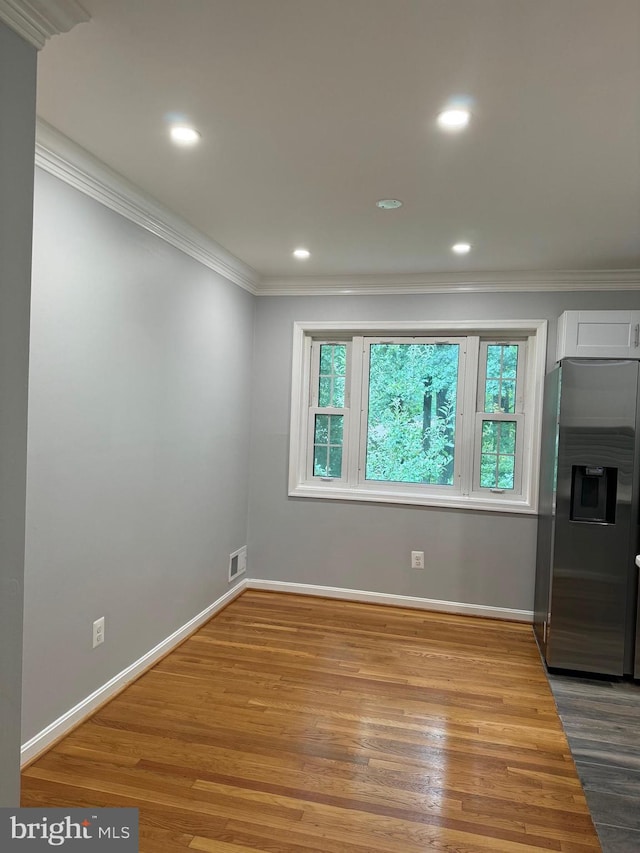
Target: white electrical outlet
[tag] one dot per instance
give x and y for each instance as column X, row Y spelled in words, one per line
column 98, row 632
column 417, row 559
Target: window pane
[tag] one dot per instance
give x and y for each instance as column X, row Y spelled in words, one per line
column 492, row 396
column 506, row 466
column 327, row 446
column 508, row 396
column 498, row 461
column 326, row 359
column 500, row 386
column 508, row 437
column 333, row 366
column 340, row 359
column 488, row 473
column 335, row 461
column 509, row 362
column 322, row 429
column 412, row 413
column 320, row 461
column 335, row 433
column 324, row 396
column 489, row 437
column 494, row 361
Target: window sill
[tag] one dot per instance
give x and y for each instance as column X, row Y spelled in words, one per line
column 307, row 490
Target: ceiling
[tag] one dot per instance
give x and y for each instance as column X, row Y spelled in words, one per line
column 311, row 110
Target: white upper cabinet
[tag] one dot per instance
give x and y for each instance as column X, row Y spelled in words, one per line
column 599, row 334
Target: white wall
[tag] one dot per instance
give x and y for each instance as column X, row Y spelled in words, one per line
column 471, row 557
column 17, row 143
column 138, row 435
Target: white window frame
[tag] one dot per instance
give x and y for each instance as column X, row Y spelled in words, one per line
column 465, row 493
column 316, row 409
column 522, row 422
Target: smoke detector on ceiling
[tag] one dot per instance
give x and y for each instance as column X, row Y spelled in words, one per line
column 388, row 204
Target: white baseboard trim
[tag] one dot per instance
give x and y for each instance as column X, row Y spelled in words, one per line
column 459, row 607
column 58, row 728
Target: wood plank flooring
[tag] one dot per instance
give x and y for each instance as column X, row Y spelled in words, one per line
column 291, row 724
column 602, row 722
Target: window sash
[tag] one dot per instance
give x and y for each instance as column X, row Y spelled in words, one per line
column 482, row 372
column 498, row 417
column 311, row 428
column 314, row 390
column 400, row 485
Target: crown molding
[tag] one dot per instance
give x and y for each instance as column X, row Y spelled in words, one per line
column 38, row 20
column 60, row 156
column 475, row 282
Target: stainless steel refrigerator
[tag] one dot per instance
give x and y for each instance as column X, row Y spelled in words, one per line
column 586, row 595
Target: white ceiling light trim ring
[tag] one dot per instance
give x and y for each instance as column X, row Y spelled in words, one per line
column 38, row 20
column 182, row 134
column 461, row 248
column 454, row 119
column 58, row 155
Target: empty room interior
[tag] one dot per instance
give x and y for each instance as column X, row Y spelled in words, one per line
column 283, row 550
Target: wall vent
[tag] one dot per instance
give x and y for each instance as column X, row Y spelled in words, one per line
column 238, row 563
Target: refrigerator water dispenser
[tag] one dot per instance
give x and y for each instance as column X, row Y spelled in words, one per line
column 593, row 494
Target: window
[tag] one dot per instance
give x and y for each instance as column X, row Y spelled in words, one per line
column 418, row 413
column 410, row 413
column 500, row 420
column 328, row 411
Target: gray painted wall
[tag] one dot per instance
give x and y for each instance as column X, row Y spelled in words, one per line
column 138, row 436
column 142, row 385
column 17, row 135
column 473, row 557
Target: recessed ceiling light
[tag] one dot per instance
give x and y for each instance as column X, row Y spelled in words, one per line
column 181, row 134
column 389, row 204
column 301, row 254
column 454, row 119
column 461, row 248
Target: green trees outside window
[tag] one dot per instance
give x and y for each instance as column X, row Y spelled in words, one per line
column 333, row 371
column 327, row 446
column 412, row 412
column 500, row 388
column 329, row 428
column 498, row 460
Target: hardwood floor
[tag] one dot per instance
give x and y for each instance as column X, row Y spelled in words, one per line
column 291, row 724
column 602, row 722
